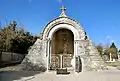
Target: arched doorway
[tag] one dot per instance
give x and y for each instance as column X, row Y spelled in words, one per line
column 62, row 49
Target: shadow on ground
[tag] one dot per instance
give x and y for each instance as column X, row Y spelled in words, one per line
column 15, row 75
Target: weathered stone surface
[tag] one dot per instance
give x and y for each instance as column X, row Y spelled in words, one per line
column 39, row 56
column 35, row 60
column 93, row 60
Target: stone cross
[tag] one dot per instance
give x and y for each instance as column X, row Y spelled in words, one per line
column 63, row 12
column 63, row 9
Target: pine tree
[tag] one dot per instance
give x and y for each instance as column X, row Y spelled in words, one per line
column 113, row 50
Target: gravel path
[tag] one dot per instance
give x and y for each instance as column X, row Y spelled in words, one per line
column 110, row 75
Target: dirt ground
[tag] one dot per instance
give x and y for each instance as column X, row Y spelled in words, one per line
column 109, row 75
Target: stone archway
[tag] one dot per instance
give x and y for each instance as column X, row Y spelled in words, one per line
column 49, row 34
column 62, row 49
column 85, row 53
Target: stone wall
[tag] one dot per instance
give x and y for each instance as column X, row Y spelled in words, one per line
column 92, row 59
column 7, row 56
column 35, row 60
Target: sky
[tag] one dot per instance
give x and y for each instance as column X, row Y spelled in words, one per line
column 99, row 18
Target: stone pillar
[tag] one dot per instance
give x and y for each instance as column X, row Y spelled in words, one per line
column 110, row 57
column 74, row 57
column 81, row 52
column 61, row 61
column 48, row 53
column 75, row 52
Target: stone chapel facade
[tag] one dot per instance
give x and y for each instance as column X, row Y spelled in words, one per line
column 62, row 41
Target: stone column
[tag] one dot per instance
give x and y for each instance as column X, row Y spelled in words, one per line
column 81, row 52
column 61, row 62
column 48, row 53
column 75, row 52
column 74, row 57
column 110, row 57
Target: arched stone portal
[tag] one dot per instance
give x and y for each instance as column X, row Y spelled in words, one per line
column 53, row 42
column 62, row 49
column 74, row 35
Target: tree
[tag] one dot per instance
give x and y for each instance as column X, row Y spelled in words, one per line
column 6, row 34
column 119, row 50
column 16, row 39
column 100, row 49
column 113, row 50
column 21, row 43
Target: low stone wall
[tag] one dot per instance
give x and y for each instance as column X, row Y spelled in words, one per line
column 6, row 56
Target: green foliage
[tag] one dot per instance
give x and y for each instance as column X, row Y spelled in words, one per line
column 21, row 44
column 6, row 34
column 112, row 49
column 15, row 39
column 113, row 45
column 100, row 49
